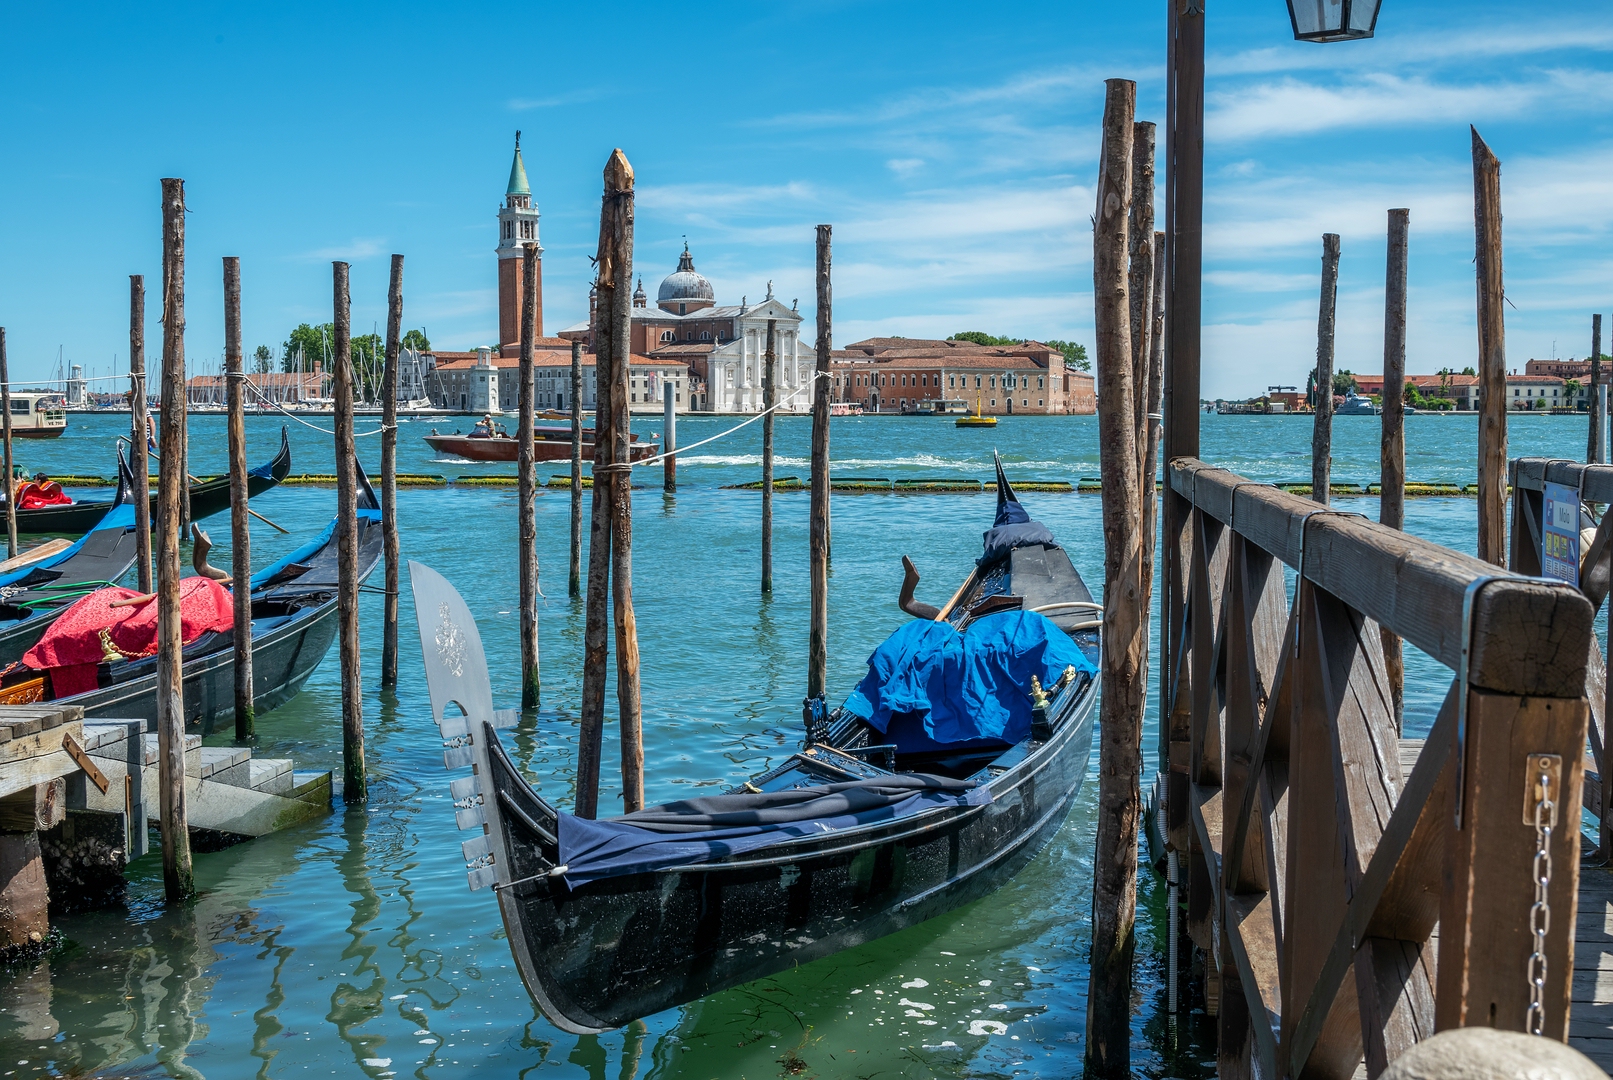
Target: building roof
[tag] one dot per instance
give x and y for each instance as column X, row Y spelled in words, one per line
column 984, row 360
column 1548, row 380
column 685, row 283
column 518, row 184
column 540, row 358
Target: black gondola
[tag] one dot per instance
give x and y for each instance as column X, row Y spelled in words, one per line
column 207, row 497
column 32, row 596
column 293, row 625
column 685, row 915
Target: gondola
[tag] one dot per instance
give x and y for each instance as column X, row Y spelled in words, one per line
column 293, row 625
column 32, row 596
column 207, row 497
column 899, row 806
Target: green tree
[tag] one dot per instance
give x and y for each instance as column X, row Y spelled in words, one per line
column 306, row 345
column 416, row 340
column 262, row 359
column 1343, row 382
column 981, row 338
column 1074, row 355
column 1468, row 371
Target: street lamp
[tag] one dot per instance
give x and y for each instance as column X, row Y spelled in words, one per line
column 1333, row 20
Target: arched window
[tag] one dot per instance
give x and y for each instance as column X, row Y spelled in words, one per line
column 666, row 336
column 705, row 335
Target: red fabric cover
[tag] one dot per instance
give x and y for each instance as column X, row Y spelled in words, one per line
column 91, row 632
column 32, row 496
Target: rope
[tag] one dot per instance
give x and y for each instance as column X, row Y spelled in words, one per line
column 724, row 434
column 276, row 405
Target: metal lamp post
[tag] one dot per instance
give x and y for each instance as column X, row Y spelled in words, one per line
column 1333, row 20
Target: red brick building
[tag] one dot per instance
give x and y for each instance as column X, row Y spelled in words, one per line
column 517, row 227
column 890, row 374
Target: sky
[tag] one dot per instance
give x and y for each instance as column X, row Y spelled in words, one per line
column 953, row 148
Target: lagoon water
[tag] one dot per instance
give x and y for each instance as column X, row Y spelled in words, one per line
column 352, row 947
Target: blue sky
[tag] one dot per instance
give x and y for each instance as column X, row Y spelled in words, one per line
column 952, row 146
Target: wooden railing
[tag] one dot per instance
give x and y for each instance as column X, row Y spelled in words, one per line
column 1319, row 870
column 1593, row 483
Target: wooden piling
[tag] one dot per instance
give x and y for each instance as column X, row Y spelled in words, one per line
column 139, row 460
column 576, row 468
column 1140, row 275
column 768, row 391
column 355, row 782
column 526, row 485
column 669, row 437
column 1492, row 486
column 1114, row 887
column 5, row 437
column 1392, row 467
column 1593, row 444
column 619, row 190
column 177, row 876
column 1151, row 432
column 818, row 531
column 240, row 534
column 1322, row 426
column 389, row 475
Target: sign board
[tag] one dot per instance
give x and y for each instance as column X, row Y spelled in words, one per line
column 1559, row 539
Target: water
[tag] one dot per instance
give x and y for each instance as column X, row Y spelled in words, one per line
column 351, row 946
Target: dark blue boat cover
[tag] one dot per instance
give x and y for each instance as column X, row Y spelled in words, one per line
column 699, row 830
column 928, row 684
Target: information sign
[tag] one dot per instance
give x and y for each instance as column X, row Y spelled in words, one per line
column 1559, row 540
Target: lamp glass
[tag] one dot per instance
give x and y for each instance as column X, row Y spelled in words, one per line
column 1333, row 20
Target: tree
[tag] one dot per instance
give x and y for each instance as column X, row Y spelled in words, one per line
column 1343, row 382
column 1074, row 355
column 305, row 346
column 1571, row 390
column 262, row 359
column 416, row 340
column 1468, row 371
column 981, row 338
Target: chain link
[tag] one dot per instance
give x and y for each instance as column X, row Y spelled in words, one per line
column 1540, row 912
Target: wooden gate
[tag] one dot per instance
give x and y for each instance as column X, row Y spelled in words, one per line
column 1353, row 891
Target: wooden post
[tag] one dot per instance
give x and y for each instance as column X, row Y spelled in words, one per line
column 576, row 467
column 389, row 475
column 1140, row 277
column 818, row 633
column 1392, row 467
column 139, row 459
column 355, row 783
column 5, row 435
column 1114, row 886
column 1492, row 354
column 1150, row 432
column 240, row 535
column 526, row 485
column 177, row 877
column 1593, row 445
column 767, row 458
column 619, row 193
column 669, row 439
column 1322, row 427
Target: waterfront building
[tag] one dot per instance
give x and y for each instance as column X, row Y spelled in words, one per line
column 279, row 387
column 890, row 374
column 483, row 381
column 1535, row 392
column 723, row 347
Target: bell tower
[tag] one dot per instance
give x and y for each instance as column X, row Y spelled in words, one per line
column 517, row 227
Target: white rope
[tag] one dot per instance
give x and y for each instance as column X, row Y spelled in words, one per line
column 724, row 434
column 274, row 404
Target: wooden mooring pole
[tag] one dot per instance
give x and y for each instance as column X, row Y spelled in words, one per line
column 1492, row 354
column 240, row 534
column 526, row 485
column 768, row 390
column 576, row 468
column 669, row 437
column 1141, row 253
column 1114, row 886
column 1322, row 427
column 1593, row 444
column 355, row 782
column 619, row 195
column 5, row 435
column 1392, row 457
column 177, row 876
column 818, row 528
column 139, row 461
column 389, row 475
column 1153, row 417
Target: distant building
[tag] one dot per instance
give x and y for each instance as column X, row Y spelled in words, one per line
column 890, row 374
column 517, row 227
column 278, row 387
column 481, row 382
column 724, row 348
column 1535, row 392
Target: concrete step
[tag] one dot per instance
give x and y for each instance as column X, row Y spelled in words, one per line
column 272, row 775
column 226, row 765
column 193, row 752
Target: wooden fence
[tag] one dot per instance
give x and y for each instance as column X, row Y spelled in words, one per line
column 1352, row 891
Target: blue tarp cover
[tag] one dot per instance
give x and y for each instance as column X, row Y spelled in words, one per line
column 928, row 684
column 698, row 830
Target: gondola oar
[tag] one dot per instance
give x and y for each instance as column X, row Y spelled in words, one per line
column 249, row 510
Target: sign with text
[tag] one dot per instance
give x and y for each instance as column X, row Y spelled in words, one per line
column 1559, row 539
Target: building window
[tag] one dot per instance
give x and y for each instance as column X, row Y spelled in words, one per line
column 977, row 382
column 952, row 380
column 994, row 385
column 705, row 335
column 1038, row 382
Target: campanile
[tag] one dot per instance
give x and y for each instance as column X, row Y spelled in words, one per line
column 517, row 226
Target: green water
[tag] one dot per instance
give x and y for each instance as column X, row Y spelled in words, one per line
column 351, row 946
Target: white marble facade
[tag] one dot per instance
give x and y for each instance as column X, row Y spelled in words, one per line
column 734, row 380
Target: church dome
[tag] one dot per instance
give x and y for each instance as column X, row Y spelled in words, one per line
column 685, row 288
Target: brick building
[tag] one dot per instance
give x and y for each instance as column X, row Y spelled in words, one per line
column 890, row 374
column 481, row 381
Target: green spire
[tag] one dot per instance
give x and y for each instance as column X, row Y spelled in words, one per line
column 518, row 184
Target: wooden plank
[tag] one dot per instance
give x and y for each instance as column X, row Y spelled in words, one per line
column 1484, row 908
column 34, row 809
column 1211, row 554
column 1415, row 588
column 1252, row 935
column 40, row 742
column 35, row 554
column 1254, row 635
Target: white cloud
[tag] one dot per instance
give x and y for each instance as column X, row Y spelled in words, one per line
column 355, row 250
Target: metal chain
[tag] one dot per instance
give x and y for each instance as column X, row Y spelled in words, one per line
column 1540, row 912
